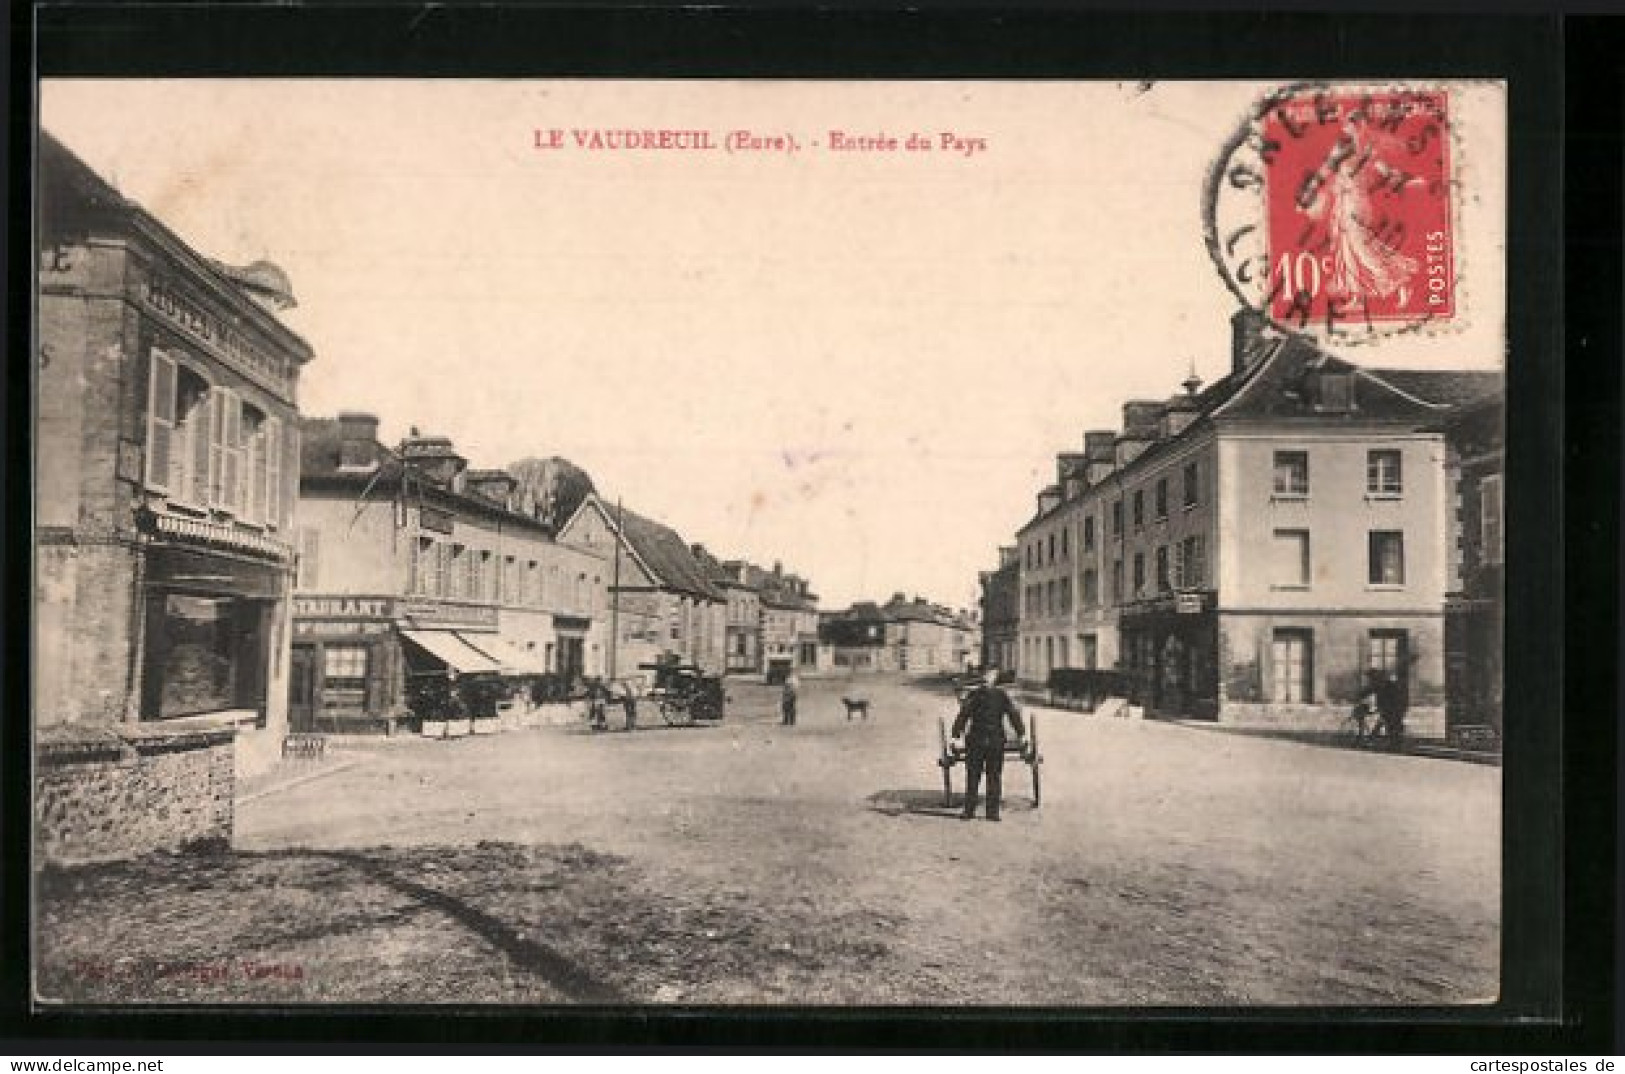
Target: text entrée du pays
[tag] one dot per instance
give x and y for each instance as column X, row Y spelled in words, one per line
column 595, row 139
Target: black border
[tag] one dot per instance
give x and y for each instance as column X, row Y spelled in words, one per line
column 379, row 39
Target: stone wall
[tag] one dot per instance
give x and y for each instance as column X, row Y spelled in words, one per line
column 108, row 793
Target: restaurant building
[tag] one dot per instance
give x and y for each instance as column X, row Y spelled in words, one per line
column 416, row 572
column 165, row 479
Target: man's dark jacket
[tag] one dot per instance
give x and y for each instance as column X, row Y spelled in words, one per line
column 985, row 709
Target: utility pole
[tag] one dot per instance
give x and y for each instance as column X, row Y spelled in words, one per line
column 615, row 591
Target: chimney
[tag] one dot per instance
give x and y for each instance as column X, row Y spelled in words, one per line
column 358, row 433
column 1249, row 332
column 1140, row 426
column 1008, row 555
column 435, row 458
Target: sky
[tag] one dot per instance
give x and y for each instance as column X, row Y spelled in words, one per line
column 858, row 363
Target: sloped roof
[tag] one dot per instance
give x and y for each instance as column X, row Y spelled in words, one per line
column 664, row 553
column 1452, row 387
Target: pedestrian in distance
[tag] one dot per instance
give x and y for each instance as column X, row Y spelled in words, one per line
column 981, row 719
column 597, row 705
column 629, row 702
column 787, row 700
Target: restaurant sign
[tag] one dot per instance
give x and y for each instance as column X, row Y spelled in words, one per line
column 433, row 614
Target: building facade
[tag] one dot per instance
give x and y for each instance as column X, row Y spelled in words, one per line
column 1250, row 551
column 789, row 620
column 1001, row 611
column 743, row 629
column 663, row 603
column 166, row 474
column 414, row 568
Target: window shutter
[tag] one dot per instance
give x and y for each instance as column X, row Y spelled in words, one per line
column 1177, row 574
column 232, row 440
column 160, row 420
column 203, row 429
column 272, row 450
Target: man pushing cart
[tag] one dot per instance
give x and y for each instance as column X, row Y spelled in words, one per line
column 981, row 719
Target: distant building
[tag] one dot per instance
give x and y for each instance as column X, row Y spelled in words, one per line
column 664, row 603
column 789, row 619
column 413, row 566
column 743, row 621
column 1249, row 550
column 1001, row 611
column 166, row 474
column 1474, row 612
column 906, row 634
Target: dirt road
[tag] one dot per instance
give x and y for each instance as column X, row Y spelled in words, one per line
column 749, row 862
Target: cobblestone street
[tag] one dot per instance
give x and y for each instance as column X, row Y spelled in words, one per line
column 748, row 862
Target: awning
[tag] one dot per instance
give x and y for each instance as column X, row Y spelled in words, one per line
column 514, row 658
column 451, row 650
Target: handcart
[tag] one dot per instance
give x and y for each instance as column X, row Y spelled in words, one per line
column 1026, row 750
column 684, row 694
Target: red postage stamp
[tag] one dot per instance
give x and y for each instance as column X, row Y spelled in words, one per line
column 1357, row 205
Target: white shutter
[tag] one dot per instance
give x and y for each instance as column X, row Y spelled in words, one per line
column 272, row 450
column 1176, row 578
column 160, row 420
column 232, row 452
column 254, row 475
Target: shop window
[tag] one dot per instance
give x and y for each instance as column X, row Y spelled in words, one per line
column 1289, row 560
column 1291, row 666
column 1387, row 558
column 1491, row 537
column 204, row 654
column 1291, row 474
column 1382, row 473
column 344, row 667
column 1192, row 485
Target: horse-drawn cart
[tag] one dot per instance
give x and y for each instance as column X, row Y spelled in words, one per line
column 1026, row 750
column 684, row 694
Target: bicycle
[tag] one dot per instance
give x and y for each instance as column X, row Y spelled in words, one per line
column 1365, row 728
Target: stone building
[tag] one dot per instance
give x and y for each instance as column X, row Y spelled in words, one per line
column 857, row 638
column 412, row 565
column 743, row 628
column 1251, row 549
column 166, row 471
column 664, row 604
column 789, row 620
column 164, row 484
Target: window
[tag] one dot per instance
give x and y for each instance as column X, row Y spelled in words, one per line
column 1491, row 547
column 1049, row 597
column 1091, row 588
column 1382, row 473
column 1162, row 569
column 1066, row 543
column 1292, row 473
column 207, row 447
column 1388, row 652
column 344, row 667
column 1139, row 508
column 1291, row 666
column 510, row 581
column 1066, row 596
column 479, row 574
column 1117, row 582
column 1052, row 548
column 1289, row 564
column 1139, row 574
column 1162, row 497
column 1091, row 650
column 307, row 574
column 1192, row 485
column 1088, row 533
column 1190, row 563
column 1387, row 566
column 1117, row 518
column 425, row 567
